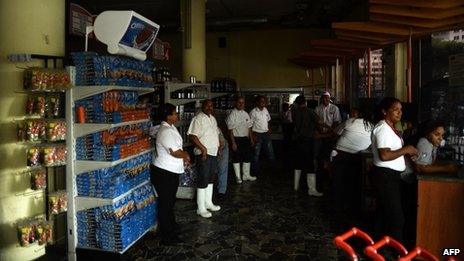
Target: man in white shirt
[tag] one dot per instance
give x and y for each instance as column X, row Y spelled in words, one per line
column 239, row 124
column 203, row 132
column 260, row 118
column 325, row 141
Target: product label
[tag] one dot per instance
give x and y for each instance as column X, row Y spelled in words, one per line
column 139, row 35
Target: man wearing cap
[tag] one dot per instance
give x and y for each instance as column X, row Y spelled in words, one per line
column 330, row 116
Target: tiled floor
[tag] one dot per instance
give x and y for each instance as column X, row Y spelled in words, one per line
column 259, row 220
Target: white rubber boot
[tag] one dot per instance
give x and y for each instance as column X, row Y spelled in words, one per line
column 209, row 199
column 246, row 172
column 296, row 179
column 237, row 172
column 201, row 209
column 311, row 180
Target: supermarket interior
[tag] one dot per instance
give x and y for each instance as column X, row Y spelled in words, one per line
column 231, row 130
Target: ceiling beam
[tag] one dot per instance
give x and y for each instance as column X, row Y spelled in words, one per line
column 367, row 35
column 327, row 54
column 340, row 49
column 369, row 41
column 440, row 4
column 417, row 22
column 334, row 50
column 416, row 12
column 375, row 27
column 334, row 42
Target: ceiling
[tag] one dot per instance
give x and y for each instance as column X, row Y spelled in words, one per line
column 243, row 14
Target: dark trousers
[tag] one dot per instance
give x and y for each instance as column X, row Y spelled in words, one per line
column 387, row 183
column 206, row 170
column 304, row 158
column 166, row 184
column 244, row 151
column 347, row 182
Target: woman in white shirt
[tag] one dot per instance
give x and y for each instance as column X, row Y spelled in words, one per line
column 355, row 136
column 388, row 158
column 168, row 164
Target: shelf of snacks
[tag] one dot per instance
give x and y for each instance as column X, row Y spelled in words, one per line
column 81, row 129
column 111, row 202
column 126, row 248
column 117, row 226
column 34, row 231
column 81, row 92
column 90, row 165
column 83, row 203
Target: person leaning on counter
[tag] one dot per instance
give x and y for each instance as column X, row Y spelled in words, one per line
column 388, row 158
column 427, row 150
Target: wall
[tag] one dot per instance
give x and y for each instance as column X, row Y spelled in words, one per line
column 259, row 58
column 26, row 26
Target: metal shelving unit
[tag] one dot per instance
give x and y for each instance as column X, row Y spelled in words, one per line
column 77, row 167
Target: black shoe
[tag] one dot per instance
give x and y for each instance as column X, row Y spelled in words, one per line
column 171, row 241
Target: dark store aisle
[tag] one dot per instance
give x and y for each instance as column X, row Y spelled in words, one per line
column 260, row 220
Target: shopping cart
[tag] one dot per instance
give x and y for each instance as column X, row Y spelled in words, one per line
column 419, row 252
column 340, row 242
column 372, row 251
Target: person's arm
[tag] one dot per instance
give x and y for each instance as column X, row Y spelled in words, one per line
column 384, row 138
column 436, row 167
column 180, row 154
column 194, row 130
column 221, row 142
column 196, row 141
column 232, row 140
column 231, row 125
column 386, row 154
column 268, row 115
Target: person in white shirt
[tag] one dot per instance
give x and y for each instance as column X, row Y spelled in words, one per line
column 168, row 162
column 355, row 136
column 203, row 132
column 239, row 124
column 260, row 118
column 388, row 158
column 325, row 139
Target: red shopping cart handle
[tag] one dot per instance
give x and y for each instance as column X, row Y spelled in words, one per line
column 339, row 241
column 416, row 252
column 371, row 251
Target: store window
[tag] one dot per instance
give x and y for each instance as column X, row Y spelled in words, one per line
column 442, row 90
column 377, row 75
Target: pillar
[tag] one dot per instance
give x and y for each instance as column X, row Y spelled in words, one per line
column 400, row 88
column 26, row 26
column 194, row 41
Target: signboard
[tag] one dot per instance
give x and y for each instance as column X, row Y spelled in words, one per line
column 161, row 50
column 139, row 35
column 80, row 19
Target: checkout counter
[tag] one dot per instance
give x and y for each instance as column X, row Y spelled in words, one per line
column 440, row 213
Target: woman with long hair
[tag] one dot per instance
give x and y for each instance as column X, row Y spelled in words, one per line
column 355, row 137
